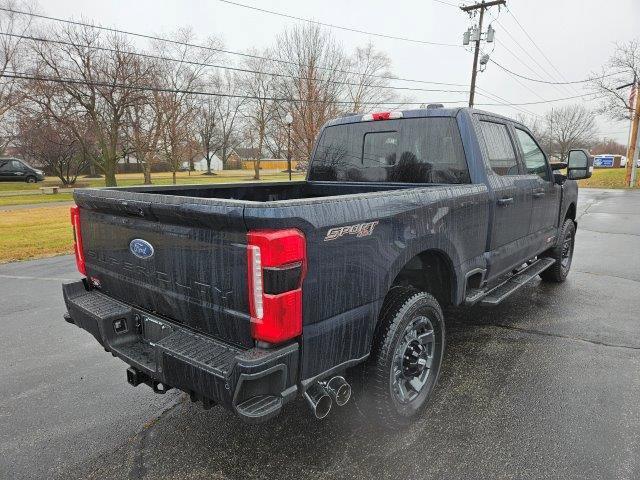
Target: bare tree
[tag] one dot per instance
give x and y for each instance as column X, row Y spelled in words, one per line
column 101, row 84
column 178, row 105
column 569, row 127
column 621, row 69
column 261, row 109
column 367, row 89
column 313, row 65
column 12, row 59
column 145, row 126
column 228, row 111
column 206, row 123
column 50, row 144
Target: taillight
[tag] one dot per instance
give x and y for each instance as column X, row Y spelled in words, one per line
column 277, row 261
column 77, row 239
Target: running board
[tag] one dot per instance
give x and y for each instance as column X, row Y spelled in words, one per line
column 497, row 294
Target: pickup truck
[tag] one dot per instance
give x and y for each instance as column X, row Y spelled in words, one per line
column 252, row 295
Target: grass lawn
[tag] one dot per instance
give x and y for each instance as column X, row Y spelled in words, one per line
column 605, row 178
column 46, row 231
column 36, row 232
column 33, row 199
column 160, row 178
column 20, row 193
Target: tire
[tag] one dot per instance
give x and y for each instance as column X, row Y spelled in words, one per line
column 562, row 253
column 31, row 179
column 402, row 370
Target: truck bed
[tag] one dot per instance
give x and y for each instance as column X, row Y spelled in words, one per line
column 266, row 192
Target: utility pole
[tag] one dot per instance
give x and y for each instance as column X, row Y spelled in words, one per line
column 482, row 6
column 633, row 139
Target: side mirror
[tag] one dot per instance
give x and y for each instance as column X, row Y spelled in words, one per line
column 579, row 165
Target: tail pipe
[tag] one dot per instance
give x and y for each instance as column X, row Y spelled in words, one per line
column 319, row 400
column 339, row 390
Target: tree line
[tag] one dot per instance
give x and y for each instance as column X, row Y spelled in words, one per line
column 74, row 96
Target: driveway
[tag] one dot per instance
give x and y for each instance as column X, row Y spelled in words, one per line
column 545, row 385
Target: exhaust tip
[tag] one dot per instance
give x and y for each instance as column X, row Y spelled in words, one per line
column 319, row 400
column 340, row 390
column 323, row 407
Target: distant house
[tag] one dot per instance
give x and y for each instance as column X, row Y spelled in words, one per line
column 244, row 158
column 200, row 164
column 241, row 153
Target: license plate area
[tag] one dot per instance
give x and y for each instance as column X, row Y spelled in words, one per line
column 153, row 329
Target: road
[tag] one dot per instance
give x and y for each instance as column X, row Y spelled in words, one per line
column 545, row 385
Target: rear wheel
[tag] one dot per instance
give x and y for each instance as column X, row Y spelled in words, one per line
column 562, row 253
column 404, row 364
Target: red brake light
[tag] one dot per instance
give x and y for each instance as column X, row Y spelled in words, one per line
column 275, row 317
column 381, row 116
column 77, row 239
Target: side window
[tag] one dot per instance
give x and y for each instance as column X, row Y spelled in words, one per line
column 533, row 156
column 17, row 166
column 5, row 167
column 502, row 156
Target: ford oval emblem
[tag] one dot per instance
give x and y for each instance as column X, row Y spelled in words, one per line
column 141, row 248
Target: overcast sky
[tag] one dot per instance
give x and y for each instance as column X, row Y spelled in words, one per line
column 577, row 36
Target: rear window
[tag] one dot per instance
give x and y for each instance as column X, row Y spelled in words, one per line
column 410, row 150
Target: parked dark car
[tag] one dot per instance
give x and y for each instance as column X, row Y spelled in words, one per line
column 252, row 295
column 15, row 170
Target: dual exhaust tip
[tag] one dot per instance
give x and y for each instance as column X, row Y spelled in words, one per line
column 321, row 395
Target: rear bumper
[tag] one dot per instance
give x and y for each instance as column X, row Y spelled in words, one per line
column 254, row 383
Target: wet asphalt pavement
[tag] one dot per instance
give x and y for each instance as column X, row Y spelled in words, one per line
column 546, row 385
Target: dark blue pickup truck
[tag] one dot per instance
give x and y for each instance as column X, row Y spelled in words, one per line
column 252, row 295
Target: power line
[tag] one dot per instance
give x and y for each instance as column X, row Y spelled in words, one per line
column 26, row 76
column 220, row 50
column 586, row 80
column 529, row 55
column 226, row 67
column 446, row 3
column 504, row 102
column 339, row 27
column 152, row 37
column 549, row 101
column 536, row 45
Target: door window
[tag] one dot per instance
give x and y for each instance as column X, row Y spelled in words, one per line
column 533, row 157
column 502, row 156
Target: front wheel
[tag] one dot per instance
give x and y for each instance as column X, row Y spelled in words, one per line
column 31, row 179
column 405, row 360
column 562, row 253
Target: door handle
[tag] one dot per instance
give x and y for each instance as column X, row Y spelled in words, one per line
column 538, row 194
column 505, row 201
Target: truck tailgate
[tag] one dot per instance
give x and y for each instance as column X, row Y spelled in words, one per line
column 178, row 257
